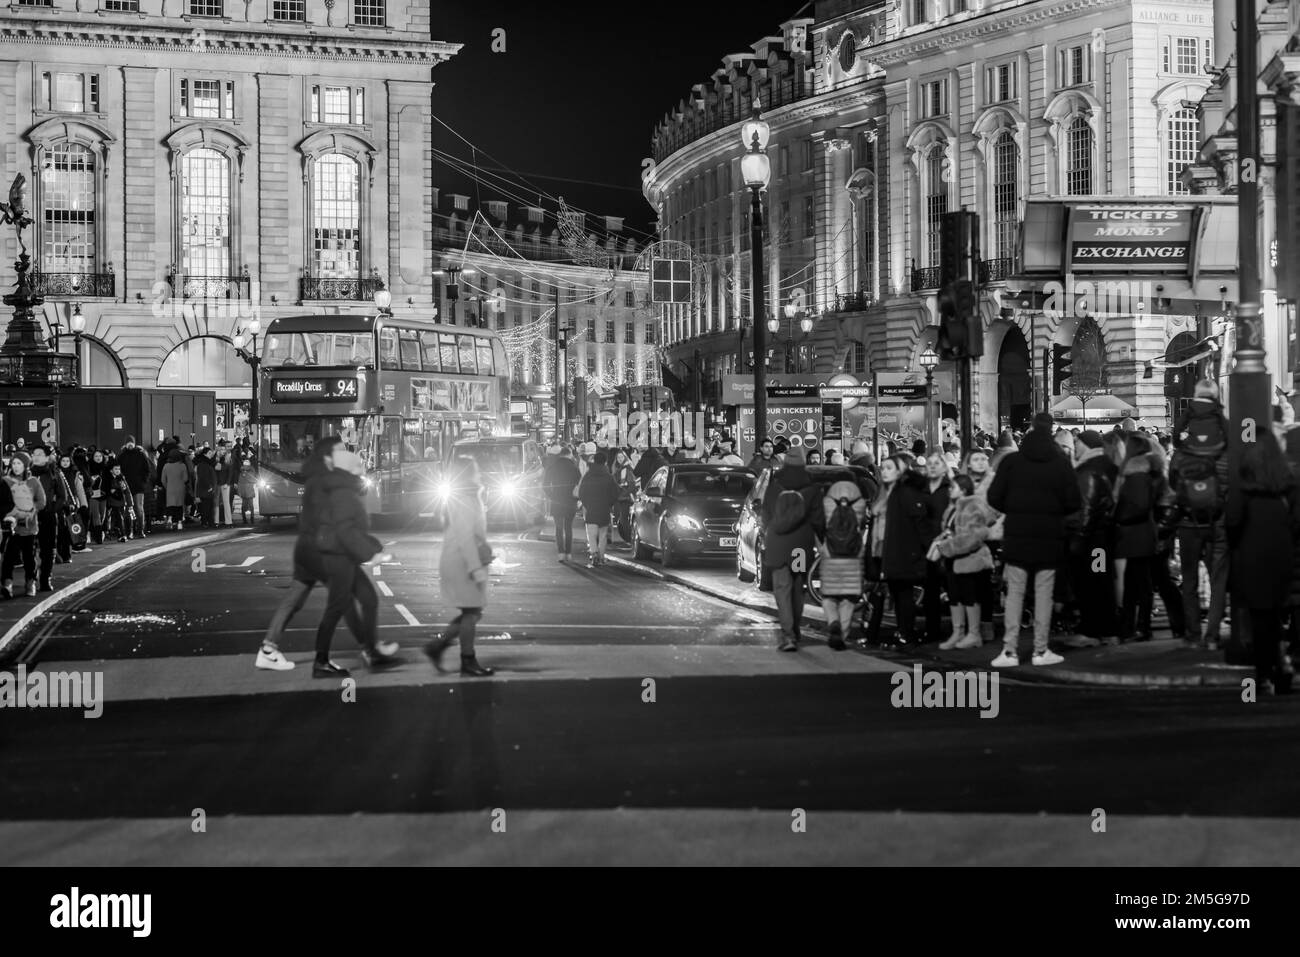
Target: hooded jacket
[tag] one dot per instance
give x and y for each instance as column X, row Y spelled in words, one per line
column 52, row 481
column 1199, row 409
column 788, row 531
column 175, row 479
column 1036, row 489
column 1140, row 496
column 136, row 468
column 339, row 502
column 909, row 521
column 205, row 477
column 1091, row 527
column 598, row 492
column 561, row 478
column 28, row 497
column 792, row 478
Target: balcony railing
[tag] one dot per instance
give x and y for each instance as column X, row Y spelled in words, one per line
column 927, row 277
column 210, row 287
column 355, row 290
column 996, row 270
column 87, row 284
column 854, row 301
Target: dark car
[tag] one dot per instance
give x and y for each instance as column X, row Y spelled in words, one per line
column 512, row 474
column 749, row 529
column 689, row 510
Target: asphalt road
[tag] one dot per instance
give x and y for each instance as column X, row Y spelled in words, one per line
column 190, row 724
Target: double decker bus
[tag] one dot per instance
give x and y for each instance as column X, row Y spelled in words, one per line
column 398, row 391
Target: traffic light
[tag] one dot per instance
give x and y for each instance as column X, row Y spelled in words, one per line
column 958, row 246
column 1061, row 361
column 961, row 334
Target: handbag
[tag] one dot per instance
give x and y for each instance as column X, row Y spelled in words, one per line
column 485, row 554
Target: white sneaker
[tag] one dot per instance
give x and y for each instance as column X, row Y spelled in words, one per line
column 273, row 660
column 1048, row 657
column 1007, row 660
column 953, row 642
column 387, row 648
column 969, row 641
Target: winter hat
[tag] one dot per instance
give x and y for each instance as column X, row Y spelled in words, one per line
column 1091, row 439
column 795, row 457
column 1043, row 422
column 130, row 440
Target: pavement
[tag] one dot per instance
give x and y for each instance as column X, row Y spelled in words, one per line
column 1159, row 663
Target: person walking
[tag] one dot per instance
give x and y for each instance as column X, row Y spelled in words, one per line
column 562, row 478
column 1035, row 488
column 96, row 475
column 1166, row 516
column 75, row 478
column 1092, row 541
column 842, row 546
column 598, row 493
column 223, row 469
column 346, row 546
column 136, row 470
column 967, row 559
column 25, row 498
column 175, row 482
column 205, row 488
column 64, row 473
column 463, row 568
column 1263, row 519
column 118, row 502
column 788, row 549
column 56, row 503
column 1137, row 493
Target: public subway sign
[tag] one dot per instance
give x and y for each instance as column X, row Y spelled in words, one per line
column 1131, row 238
column 314, row 390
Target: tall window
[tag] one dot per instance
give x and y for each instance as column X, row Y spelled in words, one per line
column 1001, row 83
column 629, row 332
column 68, row 182
column 205, row 213
column 609, row 331
column 934, row 98
column 1078, row 147
column 70, row 92
column 1005, row 195
column 368, row 13
column 289, row 11
column 206, row 8
column 919, row 11
column 1182, row 135
column 857, row 358
column 336, row 218
column 338, row 104
column 936, row 202
column 208, row 99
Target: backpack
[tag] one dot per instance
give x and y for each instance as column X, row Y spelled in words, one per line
column 1197, row 491
column 1204, row 435
column 843, row 535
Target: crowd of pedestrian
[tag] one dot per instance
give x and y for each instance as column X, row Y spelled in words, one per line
column 1085, row 528
column 58, row 502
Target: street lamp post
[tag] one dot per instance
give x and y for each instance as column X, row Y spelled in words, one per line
column 929, row 359
column 561, row 387
column 248, row 335
column 756, row 171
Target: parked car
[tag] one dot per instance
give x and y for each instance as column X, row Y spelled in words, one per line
column 749, row 526
column 511, row 468
column 689, row 510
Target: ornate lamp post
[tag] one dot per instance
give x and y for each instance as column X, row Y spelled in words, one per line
column 756, row 171
column 929, row 359
column 26, row 358
column 248, row 335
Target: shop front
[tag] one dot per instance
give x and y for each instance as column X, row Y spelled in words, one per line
column 1123, row 303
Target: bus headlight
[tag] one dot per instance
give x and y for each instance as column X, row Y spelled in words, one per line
column 443, row 491
column 509, row 488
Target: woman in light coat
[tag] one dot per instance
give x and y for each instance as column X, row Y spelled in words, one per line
column 176, row 480
column 968, row 561
column 28, row 497
column 463, row 567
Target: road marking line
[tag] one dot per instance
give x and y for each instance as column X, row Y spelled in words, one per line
column 97, row 576
column 377, row 571
column 384, row 589
column 410, row 619
column 505, row 626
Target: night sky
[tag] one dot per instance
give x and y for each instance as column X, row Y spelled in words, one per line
column 580, row 88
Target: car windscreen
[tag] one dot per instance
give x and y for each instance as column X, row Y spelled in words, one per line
column 719, row 484
column 494, row 459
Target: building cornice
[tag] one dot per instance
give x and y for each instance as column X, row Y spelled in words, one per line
column 215, row 39
column 961, row 33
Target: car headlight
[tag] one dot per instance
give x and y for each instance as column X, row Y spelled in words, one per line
column 367, row 482
column 686, row 522
column 443, row 491
column 263, row 484
column 509, row 488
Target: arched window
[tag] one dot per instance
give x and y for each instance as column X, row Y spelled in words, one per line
column 1078, row 147
column 1181, row 135
column 99, row 366
column 68, row 193
column 206, row 362
column 936, row 201
column 1006, row 195
column 336, row 218
column 205, row 214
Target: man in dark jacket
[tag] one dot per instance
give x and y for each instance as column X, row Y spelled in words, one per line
column 1202, row 537
column 764, row 458
column 793, row 477
column 788, row 549
column 138, row 473
column 1092, row 540
column 1036, row 489
column 561, row 478
column 649, row 463
column 56, row 505
column 598, row 493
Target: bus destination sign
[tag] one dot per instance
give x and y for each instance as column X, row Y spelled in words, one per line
column 314, row 390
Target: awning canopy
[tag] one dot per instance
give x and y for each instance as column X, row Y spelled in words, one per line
column 1097, row 403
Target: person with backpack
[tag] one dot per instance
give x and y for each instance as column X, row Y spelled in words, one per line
column 1138, row 495
column 27, row 495
column 842, row 545
column 1199, row 475
column 1092, row 537
column 788, row 546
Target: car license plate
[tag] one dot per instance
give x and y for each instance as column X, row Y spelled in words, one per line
column 726, row 543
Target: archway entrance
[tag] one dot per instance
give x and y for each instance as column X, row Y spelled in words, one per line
column 1015, row 403
column 1180, row 381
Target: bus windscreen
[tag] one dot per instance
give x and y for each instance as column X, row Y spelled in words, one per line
column 287, row 442
column 319, row 349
